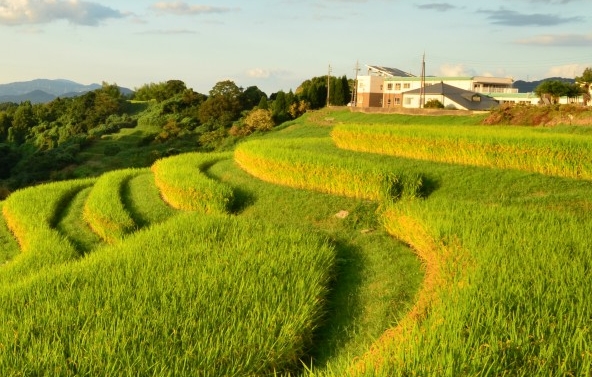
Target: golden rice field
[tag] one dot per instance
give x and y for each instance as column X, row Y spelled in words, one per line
column 235, row 264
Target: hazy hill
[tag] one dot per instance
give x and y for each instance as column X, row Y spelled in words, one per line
column 44, row 90
column 36, row 96
column 529, row 86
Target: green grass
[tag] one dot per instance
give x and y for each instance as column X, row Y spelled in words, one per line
column 183, row 185
column 284, row 285
column 31, row 215
column 104, row 209
column 190, row 296
column 8, row 245
column 73, row 227
column 522, row 148
column 142, row 199
column 513, row 300
column 376, row 277
column 314, row 164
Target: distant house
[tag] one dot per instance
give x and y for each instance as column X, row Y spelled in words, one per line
column 385, row 87
column 450, row 96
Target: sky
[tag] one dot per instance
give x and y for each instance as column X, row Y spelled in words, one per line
column 277, row 44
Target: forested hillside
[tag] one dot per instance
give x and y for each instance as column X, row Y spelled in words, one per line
column 104, row 129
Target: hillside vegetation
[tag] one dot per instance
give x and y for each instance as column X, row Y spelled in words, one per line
column 339, row 244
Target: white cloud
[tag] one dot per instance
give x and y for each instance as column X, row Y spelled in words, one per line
column 567, row 70
column 181, row 8
column 259, row 73
column 19, row 12
column 558, row 40
column 263, row 73
column 454, row 70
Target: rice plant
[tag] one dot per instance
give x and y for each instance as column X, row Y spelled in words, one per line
column 509, row 254
column 8, row 245
column 314, row 164
column 196, row 295
column 104, row 210
column 184, row 185
column 522, row 148
column 31, row 215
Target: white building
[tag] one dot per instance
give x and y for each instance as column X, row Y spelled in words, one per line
column 384, row 87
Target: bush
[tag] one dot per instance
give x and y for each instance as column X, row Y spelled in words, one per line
column 433, row 104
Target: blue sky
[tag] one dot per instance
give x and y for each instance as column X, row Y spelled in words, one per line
column 277, row 44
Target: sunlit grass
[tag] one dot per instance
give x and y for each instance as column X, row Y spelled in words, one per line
column 8, row 245
column 72, row 225
column 522, row 148
column 183, row 185
column 191, row 296
column 376, row 277
column 31, row 215
column 315, row 164
column 104, row 210
column 142, row 199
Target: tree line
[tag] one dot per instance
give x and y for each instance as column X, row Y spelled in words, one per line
column 552, row 90
column 38, row 140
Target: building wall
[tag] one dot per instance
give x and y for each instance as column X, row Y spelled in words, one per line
column 369, row 93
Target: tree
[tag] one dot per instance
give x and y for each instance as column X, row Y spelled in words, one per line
column 223, row 106
column 5, row 123
column 314, row 91
column 22, row 121
column 340, row 93
column 263, row 104
column 160, row 91
column 554, row 89
column 259, row 120
column 251, row 97
column 8, row 159
column 585, row 82
column 279, row 108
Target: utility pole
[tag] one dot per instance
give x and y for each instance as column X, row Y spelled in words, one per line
column 422, row 89
column 328, row 85
column 354, row 93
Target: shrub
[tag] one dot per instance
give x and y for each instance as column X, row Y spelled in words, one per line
column 433, row 104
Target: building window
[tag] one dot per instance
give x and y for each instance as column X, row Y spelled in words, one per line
column 407, row 101
column 389, row 86
column 397, row 101
column 406, row 86
column 397, row 86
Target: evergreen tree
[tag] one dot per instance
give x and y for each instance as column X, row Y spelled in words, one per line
column 263, row 104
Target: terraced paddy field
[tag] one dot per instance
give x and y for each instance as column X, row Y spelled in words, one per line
column 341, row 244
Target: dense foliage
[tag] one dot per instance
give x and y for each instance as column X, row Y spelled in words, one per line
column 43, row 142
column 552, row 90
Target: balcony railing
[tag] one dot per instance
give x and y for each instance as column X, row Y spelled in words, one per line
column 489, row 89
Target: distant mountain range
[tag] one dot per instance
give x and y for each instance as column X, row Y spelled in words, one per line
column 529, row 86
column 44, row 90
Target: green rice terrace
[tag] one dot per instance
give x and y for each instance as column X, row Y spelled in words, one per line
column 340, row 244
